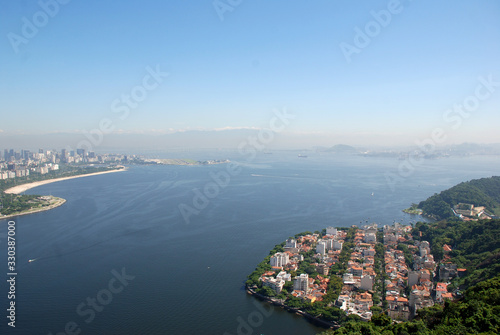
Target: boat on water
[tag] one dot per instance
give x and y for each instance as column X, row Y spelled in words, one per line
column 302, row 156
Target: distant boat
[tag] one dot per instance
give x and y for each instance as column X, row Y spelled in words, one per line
column 372, row 194
column 32, row 260
column 302, row 156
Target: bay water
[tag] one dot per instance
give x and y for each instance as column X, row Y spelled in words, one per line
column 119, row 257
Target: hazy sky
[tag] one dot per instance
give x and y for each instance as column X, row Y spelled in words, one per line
column 351, row 70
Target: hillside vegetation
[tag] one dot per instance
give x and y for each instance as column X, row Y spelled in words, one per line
column 479, row 192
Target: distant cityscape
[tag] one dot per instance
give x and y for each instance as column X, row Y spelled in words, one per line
column 15, row 164
column 21, row 163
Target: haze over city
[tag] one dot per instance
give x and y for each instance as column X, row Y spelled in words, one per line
column 351, row 72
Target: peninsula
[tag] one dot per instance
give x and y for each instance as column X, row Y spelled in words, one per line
column 366, row 277
column 24, row 170
column 12, row 203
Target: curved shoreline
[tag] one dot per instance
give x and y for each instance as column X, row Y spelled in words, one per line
column 59, row 202
column 323, row 323
column 24, row 187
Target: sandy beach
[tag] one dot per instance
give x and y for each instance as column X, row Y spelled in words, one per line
column 21, row 188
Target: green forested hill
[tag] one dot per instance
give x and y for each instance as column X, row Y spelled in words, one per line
column 479, row 192
column 478, row 312
column 475, row 246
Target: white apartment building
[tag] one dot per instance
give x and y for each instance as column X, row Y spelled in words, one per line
column 321, row 248
column 301, row 283
column 370, row 238
column 291, row 243
column 337, row 245
column 280, row 259
column 275, row 284
column 331, row 231
column 366, row 283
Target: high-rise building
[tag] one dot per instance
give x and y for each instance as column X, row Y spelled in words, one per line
column 337, row 245
column 366, row 283
column 280, row 259
column 301, row 283
column 329, row 244
column 331, row 231
column 321, row 248
column 26, row 154
column 64, row 156
column 291, row 243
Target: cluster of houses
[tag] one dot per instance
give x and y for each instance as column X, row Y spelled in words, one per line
column 418, row 280
column 402, row 279
column 358, row 280
column 408, row 287
column 327, row 250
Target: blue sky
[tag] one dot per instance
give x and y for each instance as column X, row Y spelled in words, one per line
column 263, row 55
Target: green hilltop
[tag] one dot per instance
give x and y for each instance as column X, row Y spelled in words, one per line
column 478, row 192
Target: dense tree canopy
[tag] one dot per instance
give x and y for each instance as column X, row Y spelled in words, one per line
column 479, row 192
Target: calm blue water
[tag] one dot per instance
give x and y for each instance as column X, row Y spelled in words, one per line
column 188, row 277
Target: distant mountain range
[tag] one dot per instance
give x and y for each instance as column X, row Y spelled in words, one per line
column 228, row 138
column 340, row 149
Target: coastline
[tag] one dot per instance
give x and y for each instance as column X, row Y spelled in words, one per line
column 275, row 302
column 60, row 202
column 24, row 187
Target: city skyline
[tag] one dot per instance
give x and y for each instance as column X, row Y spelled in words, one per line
column 378, row 73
